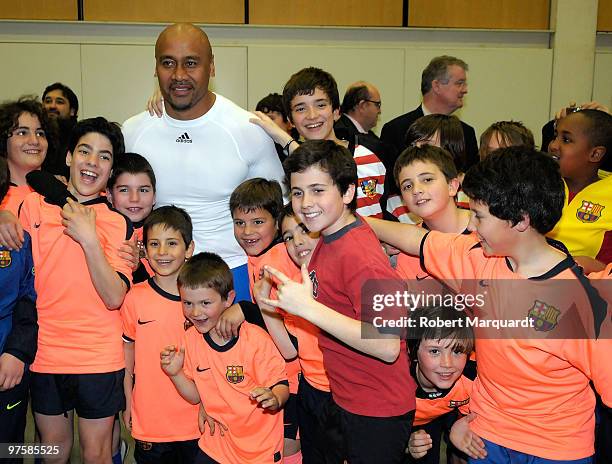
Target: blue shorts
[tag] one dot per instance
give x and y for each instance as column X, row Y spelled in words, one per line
column 241, row 283
column 497, row 454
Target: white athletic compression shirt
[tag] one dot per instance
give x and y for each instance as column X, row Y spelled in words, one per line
column 198, row 163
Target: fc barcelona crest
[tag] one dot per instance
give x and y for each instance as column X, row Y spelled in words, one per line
column 368, row 187
column 544, row 316
column 589, row 211
column 315, row 283
column 5, row 258
column 234, row 374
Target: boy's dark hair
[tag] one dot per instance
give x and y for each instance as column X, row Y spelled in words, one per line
column 272, row 102
column 461, row 334
column 426, row 153
column 5, row 177
column 257, row 193
column 328, row 156
column 171, row 217
column 9, row 119
column 450, row 133
column 437, row 69
column 518, row 181
column 286, row 212
column 68, row 94
column 207, row 270
column 99, row 125
column 599, row 132
column 131, row 163
column 511, row 133
column 353, row 96
column 305, row 81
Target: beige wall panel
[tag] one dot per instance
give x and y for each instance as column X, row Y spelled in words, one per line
column 602, row 90
column 39, row 9
column 118, row 79
column 165, row 11
column 604, row 16
column 326, row 13
column 29, row 68
column 502, row 84
column 487, row 14
column 270, row 67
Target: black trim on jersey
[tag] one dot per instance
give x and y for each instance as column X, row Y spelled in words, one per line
column 12, row 184
column 127, row 339
column 421, row 256
column 161, row 292
column 471, row 369
column 345, row 230
column 95, row 201
column 125, row 279
column 137, row 225
column 558, row 245
column 281, row 382
column 221, row 348
column 140, row 274
column 598, row 304
column 566, row 263
column 278, row 239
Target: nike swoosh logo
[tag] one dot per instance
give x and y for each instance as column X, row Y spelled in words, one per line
column 145, row 322
column 11, row 406
column 202, row 370
column 419, row 278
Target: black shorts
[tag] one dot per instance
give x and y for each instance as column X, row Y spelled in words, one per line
column 13, row 409
column 290, row 417
column 382, row 440
column 320, row 436
column 93, row 396
column 172, row 452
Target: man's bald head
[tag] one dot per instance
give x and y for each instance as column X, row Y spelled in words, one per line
column 362, row 102
column 184, row 64
column 183, row 32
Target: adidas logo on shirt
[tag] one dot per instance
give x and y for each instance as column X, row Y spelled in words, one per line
column 184, row 138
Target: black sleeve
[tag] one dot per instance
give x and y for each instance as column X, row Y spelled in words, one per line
column 22, row 341
column 252, row 314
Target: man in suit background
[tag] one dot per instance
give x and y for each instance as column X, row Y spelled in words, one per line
column 443, row 85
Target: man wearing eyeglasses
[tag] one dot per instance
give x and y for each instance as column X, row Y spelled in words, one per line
column 359, row 111
column 444, row 86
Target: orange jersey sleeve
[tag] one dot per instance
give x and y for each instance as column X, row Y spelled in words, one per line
column 225, row 376
column 14, row 197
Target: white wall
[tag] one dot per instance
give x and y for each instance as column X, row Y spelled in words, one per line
column 110, row 66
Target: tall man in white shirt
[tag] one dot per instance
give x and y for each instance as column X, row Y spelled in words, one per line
column 202, row 147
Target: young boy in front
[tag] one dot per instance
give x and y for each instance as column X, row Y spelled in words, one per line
column 532, row 395
column 80, row 281
column 18, row 332
column 153, row 318
column 255, row 206
column 241, row 381
column 368, row 373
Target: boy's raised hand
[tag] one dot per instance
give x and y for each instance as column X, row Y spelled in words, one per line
column 213, row 424
column 266, row 398
column 79, row 222
column 11, row 371
column 276, row 133
column 292, row 296
column 229, row 322
column 465, row 440
column 419, row 443
column 129, row 252
column 11, row 232
column 171, row 360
